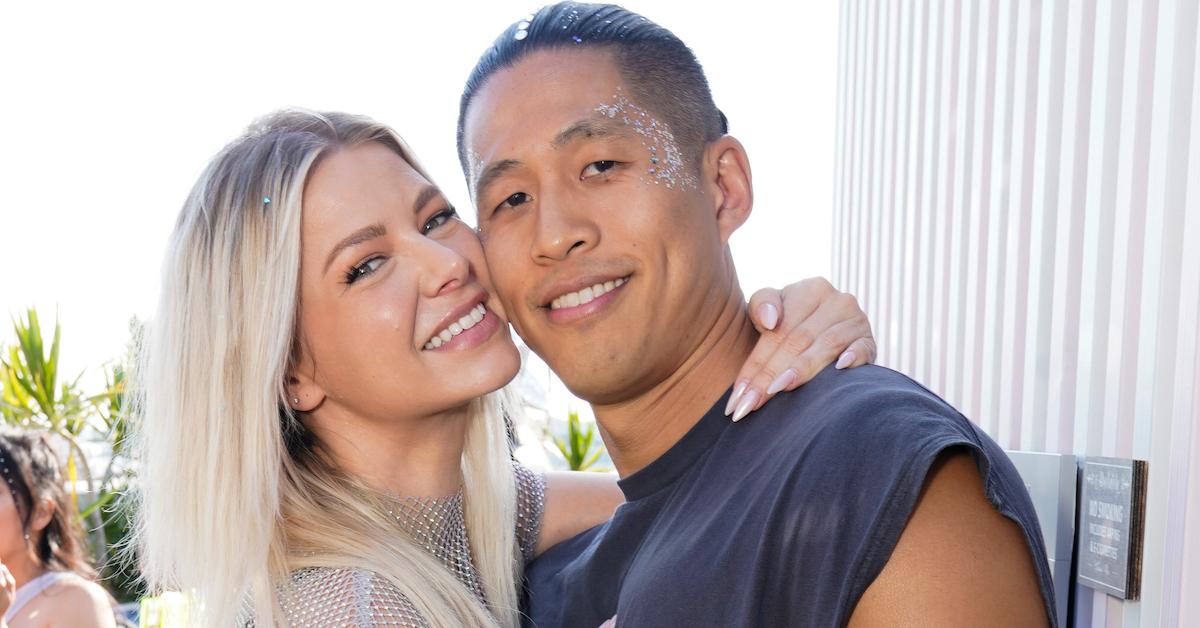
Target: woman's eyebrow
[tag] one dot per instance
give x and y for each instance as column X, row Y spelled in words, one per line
column 370, row 232
column 427, row 194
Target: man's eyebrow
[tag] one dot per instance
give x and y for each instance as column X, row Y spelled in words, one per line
column 493, row 172
column 370, row 232
column 588, row 127
column 578, row 129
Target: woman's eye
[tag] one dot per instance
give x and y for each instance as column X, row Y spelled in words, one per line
column 439, row 219
column 598, row 167
column 513, row 200
column 364, row 269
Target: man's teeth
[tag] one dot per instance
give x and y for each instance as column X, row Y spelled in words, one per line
column 469, row 320
column 586, row 295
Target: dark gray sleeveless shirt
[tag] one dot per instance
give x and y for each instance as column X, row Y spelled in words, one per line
column 783, row 519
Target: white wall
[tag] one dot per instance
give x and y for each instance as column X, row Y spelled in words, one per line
column 109, row 112
column 1017, row 204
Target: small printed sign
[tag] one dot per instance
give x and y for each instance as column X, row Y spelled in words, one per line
column 1112, row 510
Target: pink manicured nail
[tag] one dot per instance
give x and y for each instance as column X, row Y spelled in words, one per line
column 770, row 315
column 782, row 381
column 747, row 404
column 846, row 360
column 738, row 389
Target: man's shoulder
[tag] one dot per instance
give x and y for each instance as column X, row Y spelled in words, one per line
column 861, row 409
column 856, row 429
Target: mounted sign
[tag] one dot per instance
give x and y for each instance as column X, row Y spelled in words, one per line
column 1112, row 511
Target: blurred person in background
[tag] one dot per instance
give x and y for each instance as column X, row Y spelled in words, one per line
column 46, row 579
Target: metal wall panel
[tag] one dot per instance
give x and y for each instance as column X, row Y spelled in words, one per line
column 1018, row 209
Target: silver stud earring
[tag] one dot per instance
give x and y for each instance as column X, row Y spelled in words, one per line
column 295, row 400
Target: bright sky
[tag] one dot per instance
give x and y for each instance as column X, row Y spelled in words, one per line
column 111, row 110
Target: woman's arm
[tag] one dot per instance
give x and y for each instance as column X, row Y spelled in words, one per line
column 574, row 502
column 804, row 328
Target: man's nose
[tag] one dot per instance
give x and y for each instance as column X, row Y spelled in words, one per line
column 563, row 228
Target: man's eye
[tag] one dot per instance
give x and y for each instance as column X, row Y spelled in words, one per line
column 364, row 269
column 598, row 167
column 513, row 200
column 439, row 219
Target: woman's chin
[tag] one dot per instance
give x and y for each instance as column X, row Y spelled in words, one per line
column 485, row 373
column 506, row 364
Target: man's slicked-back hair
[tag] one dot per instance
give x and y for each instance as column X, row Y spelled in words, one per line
column 659, row 70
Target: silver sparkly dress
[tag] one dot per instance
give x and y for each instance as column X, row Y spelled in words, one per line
column 322, row 596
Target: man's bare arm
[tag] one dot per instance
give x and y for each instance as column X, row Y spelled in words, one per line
column 959, row 562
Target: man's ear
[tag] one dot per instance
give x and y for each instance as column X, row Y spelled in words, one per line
column 728, row 167
column 304, row 394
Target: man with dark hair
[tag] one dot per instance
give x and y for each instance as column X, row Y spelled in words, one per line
column 607, row 190
column 657, row 69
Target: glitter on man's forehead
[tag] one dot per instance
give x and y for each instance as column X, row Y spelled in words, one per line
column 667, row 165
column 474, row 166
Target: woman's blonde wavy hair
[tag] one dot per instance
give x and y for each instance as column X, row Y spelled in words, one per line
column 234, row 493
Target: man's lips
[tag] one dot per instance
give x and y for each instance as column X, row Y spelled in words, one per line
column 581, row 291
column 586, row 302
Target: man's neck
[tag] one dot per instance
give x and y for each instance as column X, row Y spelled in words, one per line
column 639, row 430
column 411, row 456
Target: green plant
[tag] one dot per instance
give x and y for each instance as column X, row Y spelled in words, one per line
column 31, row 396
column 119, row 571
column 577, row 448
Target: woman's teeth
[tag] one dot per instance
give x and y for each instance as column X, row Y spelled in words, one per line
column 469, row 320
column 586, row 295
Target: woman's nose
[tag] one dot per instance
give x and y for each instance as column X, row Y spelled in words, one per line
column 444, row 269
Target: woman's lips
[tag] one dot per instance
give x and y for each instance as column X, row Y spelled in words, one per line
column 467, row 332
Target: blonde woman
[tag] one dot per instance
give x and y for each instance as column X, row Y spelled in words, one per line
column 322, row 396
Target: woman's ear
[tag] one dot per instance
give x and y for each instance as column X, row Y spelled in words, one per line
column 728, row 167
column 43, row 513
column 304, row 394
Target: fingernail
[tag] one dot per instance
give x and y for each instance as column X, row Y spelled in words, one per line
column 770, row 315
column 738, row 389
column 747, row 404
column 846, row 360
column 782, row 381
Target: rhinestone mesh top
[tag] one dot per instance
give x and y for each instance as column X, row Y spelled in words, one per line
column 323, row 596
